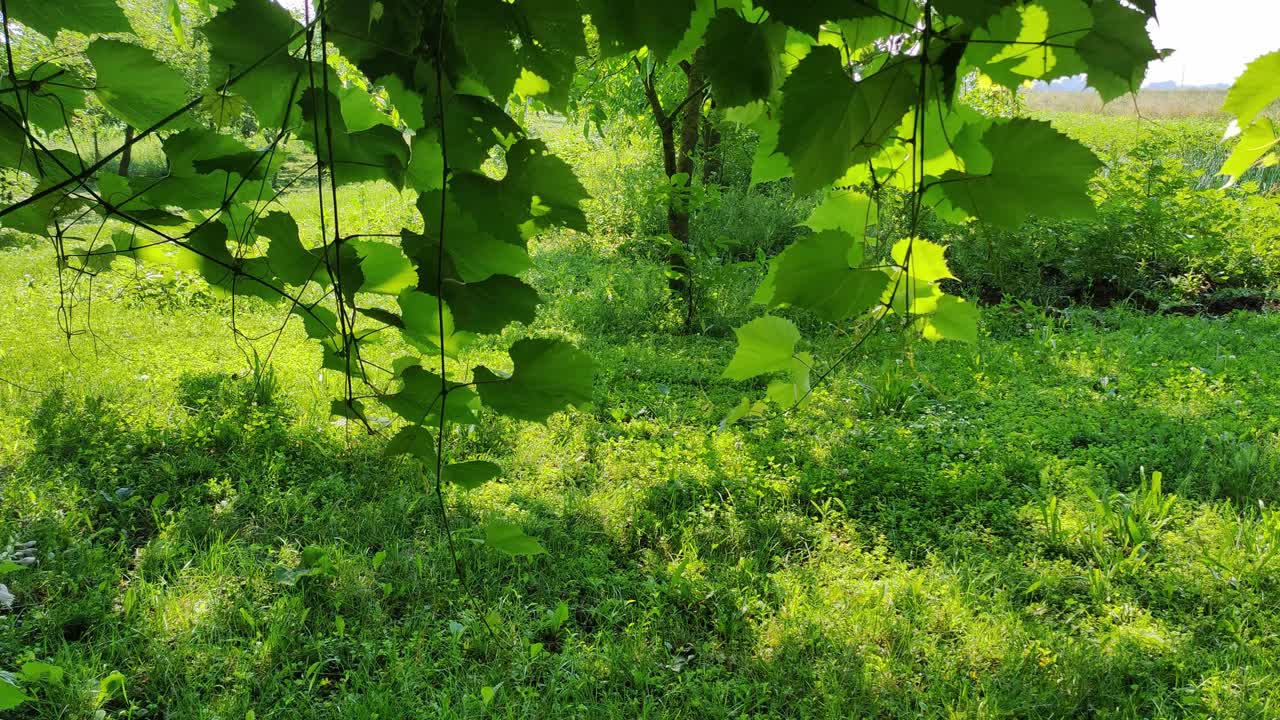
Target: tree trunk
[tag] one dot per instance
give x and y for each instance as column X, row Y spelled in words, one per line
column 712, row 160
column 677, row 158
column 690, row 126
column 126, row 157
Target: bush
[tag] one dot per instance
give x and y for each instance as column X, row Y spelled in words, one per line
column 1160, row 237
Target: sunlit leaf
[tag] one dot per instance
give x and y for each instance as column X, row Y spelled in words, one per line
column 510, row 539
column 953, row 319
column 134, row 85
column 471, row 475
column 48, row 17
column 1055, row 184
column 815, row 273
column 765, row 345
column 1254, row 90
column 548, row 376
column 829, row 122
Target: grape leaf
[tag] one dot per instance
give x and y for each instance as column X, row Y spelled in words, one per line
column 975, row 12
column 1255, row 89
column 47, row 17
column 792, row 391
column 379, row 153
column 809, row 15
column 741, row 58
column 548, row 376
column 10, row 696
column 416, row 441
column 765, row 345
column 768, row 164
column 1031, row 41
column 927, row 263
column 829, row 122
column 510, row 539
column 953, row 319
column 420, row 315
column 847, row 210
column 50, row 95
column 1117, row 49
column 288, row 259
column 1261, row 137
column 470, row 475
column 1035, row 170
column 476, row 254
column 134, row 85
column 815, row 274
column 628, row 25
column 490, row 305
column 385, row 268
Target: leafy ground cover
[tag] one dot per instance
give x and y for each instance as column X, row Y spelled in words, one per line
column 1070, row 519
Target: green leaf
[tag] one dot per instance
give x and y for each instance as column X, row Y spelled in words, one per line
column 407, row 102
column 109, row 686
column 51, row 95
column 1031, row 41
column 48, row 17
column 378, row 153
column 815, row 274
column 510, row 539
column 386, row 270
column 765, row 345
column 789, row 393
column 8, row 566
column 548, row 376
column 418, row 400
column 314, row 561
column 276, row 80
column 471, row 475
column 743, row 409
column 484, row 28
column 416, row 441
column 10, row 696
column 291, row 262
column 847, row 210
column 174, row 10
column 554, row 193
column 1261, row 137
column 768, row 164
column 975, row 12
column 476, row 254
column 1117, row 49
column 742, row 58
column 475, row 125
column 927, row 261
column 628, row 25
column 1055, row 184
column 490, row 305
column 954, row 319
column 1255, row 89
column 134, row 85
column 421, row 314
column 808, row 16
column 41, row 672
column 426, row 163
column 830, row 122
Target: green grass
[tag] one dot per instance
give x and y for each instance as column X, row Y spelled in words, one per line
column 949, row 532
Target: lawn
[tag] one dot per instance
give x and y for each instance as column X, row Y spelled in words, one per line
column 1071, row 518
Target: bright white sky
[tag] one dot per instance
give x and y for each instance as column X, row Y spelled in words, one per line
column 1213, row 39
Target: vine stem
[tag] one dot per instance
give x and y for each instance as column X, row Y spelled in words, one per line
column 444, row 378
